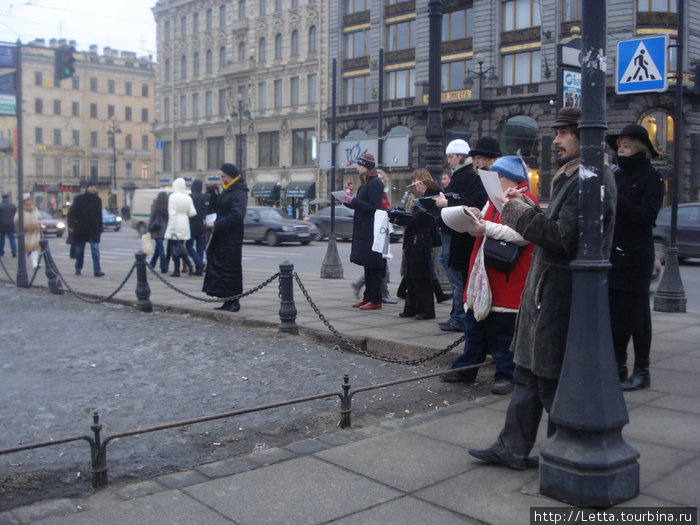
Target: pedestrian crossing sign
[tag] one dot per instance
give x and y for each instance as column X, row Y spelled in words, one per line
column 642, row 65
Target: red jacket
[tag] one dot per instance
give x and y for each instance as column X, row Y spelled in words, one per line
column 506, row 288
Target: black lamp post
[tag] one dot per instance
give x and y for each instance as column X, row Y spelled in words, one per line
column 469, row 83
column 242, row 111
column 112, row 132
column 434, row 156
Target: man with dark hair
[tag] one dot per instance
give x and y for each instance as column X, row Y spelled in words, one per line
column 7, row 225
column 85, row 225
column 543, row 320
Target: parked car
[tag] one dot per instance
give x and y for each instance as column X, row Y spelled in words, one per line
column 687, row 233
column 343, row 224
column 51, row 226
column 110, row 221
column 273, row 226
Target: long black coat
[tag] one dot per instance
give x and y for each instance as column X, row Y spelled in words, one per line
column 418, row 240
column 367, row 201
column 640, row 192
column 201, row 204
column 224, row 276
column 85, row 218
column 467, row 184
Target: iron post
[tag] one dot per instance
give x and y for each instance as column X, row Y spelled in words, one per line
column 99, row 455
column 434, row 157
column 143, row 291
column 670, row 295
column 587, row 463
column 288, row 311
column 346, row 404
column 22, row 278
column 51, row 275
column 112, row 132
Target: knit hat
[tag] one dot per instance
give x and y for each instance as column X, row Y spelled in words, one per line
column 568, row 117
column 635, row 131
column 366, row 160
column 511, row 167
column 90, row 183
column 457, row 146
column 230, row 169
column 486, row 147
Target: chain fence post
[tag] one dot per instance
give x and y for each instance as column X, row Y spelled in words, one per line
column 346, row 404
column 99, row 455
column 288, row 311
column 143, row 292
column 51, row 275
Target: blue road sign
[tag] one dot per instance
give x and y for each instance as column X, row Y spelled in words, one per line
column 159, row 144
column 642, row 65
column 7, row 56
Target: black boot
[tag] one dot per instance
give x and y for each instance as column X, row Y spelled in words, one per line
column 229, row 306
column 638, row 380
column 440, row 296
column 622, row 372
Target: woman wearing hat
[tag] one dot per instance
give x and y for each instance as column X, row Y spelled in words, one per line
column 224, row 275
column 640, row 191
column 32, row 228
column 485, row 152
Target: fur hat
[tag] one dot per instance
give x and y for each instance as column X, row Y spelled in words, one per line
column 230, row 169
column 486, row 147
column 366, row 160
column 635, row 131
column 568, row 117
column 457, row 146
column 26, row 196
column 511, row 167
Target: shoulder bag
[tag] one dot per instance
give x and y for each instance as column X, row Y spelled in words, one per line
column 500, row 255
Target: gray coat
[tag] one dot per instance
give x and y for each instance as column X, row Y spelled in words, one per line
column 543, row 319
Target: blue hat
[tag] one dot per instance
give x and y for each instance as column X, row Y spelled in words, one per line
column 510, row 167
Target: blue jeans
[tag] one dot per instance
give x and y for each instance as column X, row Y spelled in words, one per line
column 159, row 253
column 492, row 336
column 198, row 254
column 13, row 245
column 80, row 255
column 457, row 316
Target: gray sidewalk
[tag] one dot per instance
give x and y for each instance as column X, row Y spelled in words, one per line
column 412, row 471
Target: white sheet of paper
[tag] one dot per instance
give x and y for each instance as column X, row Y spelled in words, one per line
column 210, row 217
column 492, row 187
column 339, row 195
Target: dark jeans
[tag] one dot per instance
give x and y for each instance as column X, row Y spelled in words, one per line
column 373, row 285
column 492, row 336
column 13, row 245
column 198, row 253
column 80, row 255
column 458, row 317
column 159, row 253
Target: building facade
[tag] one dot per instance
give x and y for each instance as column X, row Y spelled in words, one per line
column 242, row 81
column 95, row 125
column 506, row 50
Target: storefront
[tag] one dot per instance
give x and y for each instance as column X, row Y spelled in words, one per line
column 297, row 196
column 266, row 193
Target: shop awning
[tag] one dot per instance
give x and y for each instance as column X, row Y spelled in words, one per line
column 266, row 190
column 300, row 190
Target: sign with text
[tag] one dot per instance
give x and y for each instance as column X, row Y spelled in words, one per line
column 8, row 105
column 349, row 150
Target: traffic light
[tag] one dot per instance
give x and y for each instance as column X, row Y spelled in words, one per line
column 65, row 62
column 696, row 80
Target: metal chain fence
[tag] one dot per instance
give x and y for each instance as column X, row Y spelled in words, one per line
column 90, row 299
column 354, row 347
column 31, row 281
column 4, row 269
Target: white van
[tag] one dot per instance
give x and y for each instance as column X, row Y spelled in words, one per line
column 141, row 208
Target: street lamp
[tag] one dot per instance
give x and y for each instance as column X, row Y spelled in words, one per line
column 242, row 111
column 469, row 83
column 112, row 133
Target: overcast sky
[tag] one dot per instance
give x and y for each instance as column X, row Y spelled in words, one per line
column 126, row 25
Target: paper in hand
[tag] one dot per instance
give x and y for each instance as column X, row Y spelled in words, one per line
column 339, row 196
column 493, row 187
column 211, row 217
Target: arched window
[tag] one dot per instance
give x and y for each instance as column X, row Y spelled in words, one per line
column 209, row 62
column 278, row 47
column 222, row 57
column 241, row 52
column 195, row 65
column 312, row 39
column 183, row 66
column 659, row 125
column 262, row 55
column 294, row 43
column 166, row 73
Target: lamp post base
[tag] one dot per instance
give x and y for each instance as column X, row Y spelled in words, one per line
column 670, row 295
column 331, row 268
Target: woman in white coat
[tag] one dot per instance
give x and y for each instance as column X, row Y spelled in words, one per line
column 180, row 209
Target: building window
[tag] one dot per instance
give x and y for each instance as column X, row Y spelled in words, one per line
column 38, row 78
column 262, row 95
column 56, row 107
column 183, row 67
column 56, row 137
column 209, row 22
column 356, row 44
column 294, row 91
column 188, row 154
column 278, row 47
column 76, row 137
column 128, row 141
column 111, row 87
column 166, row 31
column 222, row 102
column 208, row 103
column 110, row 140
column 94, row 169
column 354, row 6
column 303, row 147
column 127, row 113
column 520, row 14
column 195, row 105
column 311, row 88
column 93, row 110
column 144, row 90
column 278, row 93
column 453, row 74
column 521, row 68
column 295, row 3
column 222, row 57
column 144, row 142
column 458, row 24
column 262, row 55
column 262, row 8
column 38, row 136
column 129, row 170
column 144, row 170
column 166, row 69
column 40, row 167
column 75, row 109
column 75, row 82
column 294, row 44
column 222, row 15
column 195, row 23
column 209, row 65
column 357, row 89
column 215, row 152
column 93, row 139
column 38, row 106
column 127, row 88
column 144, row 115
column 195, row 65
column 166, row 109
column 658, row 6
column 268, row 149
column 241, row 52
column 659, row 125
column 571, row 10
column 76, row 169
column 93, row 85
column 241, row 9
column 167, row 156
column 110, row 111
column 312, row 40
column 278, row 6
column 401, row 83
column 400, row 36
column 58, row 167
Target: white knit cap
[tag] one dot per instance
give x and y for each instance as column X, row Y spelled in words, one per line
column 458, row 146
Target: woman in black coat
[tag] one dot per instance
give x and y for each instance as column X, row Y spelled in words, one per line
column 367, row 201
column 224, row 275
column 640, row 191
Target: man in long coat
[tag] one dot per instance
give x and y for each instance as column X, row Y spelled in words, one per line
column 85, row 225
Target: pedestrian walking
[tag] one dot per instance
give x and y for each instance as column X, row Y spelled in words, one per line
column 32, row 228
column 224, row 273
column 180, row 209
column 640, row 192
column 85, row 226
column 157, row 223
column 195, row 244
column 7, row 224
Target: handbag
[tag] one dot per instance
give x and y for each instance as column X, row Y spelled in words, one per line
column 500, row 255
column 179, row 250
column 478, row 292
column 146, row 244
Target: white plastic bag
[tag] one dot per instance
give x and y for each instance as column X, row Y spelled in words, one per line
column 478, row 295
column 382, row 235
column 146, row 243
